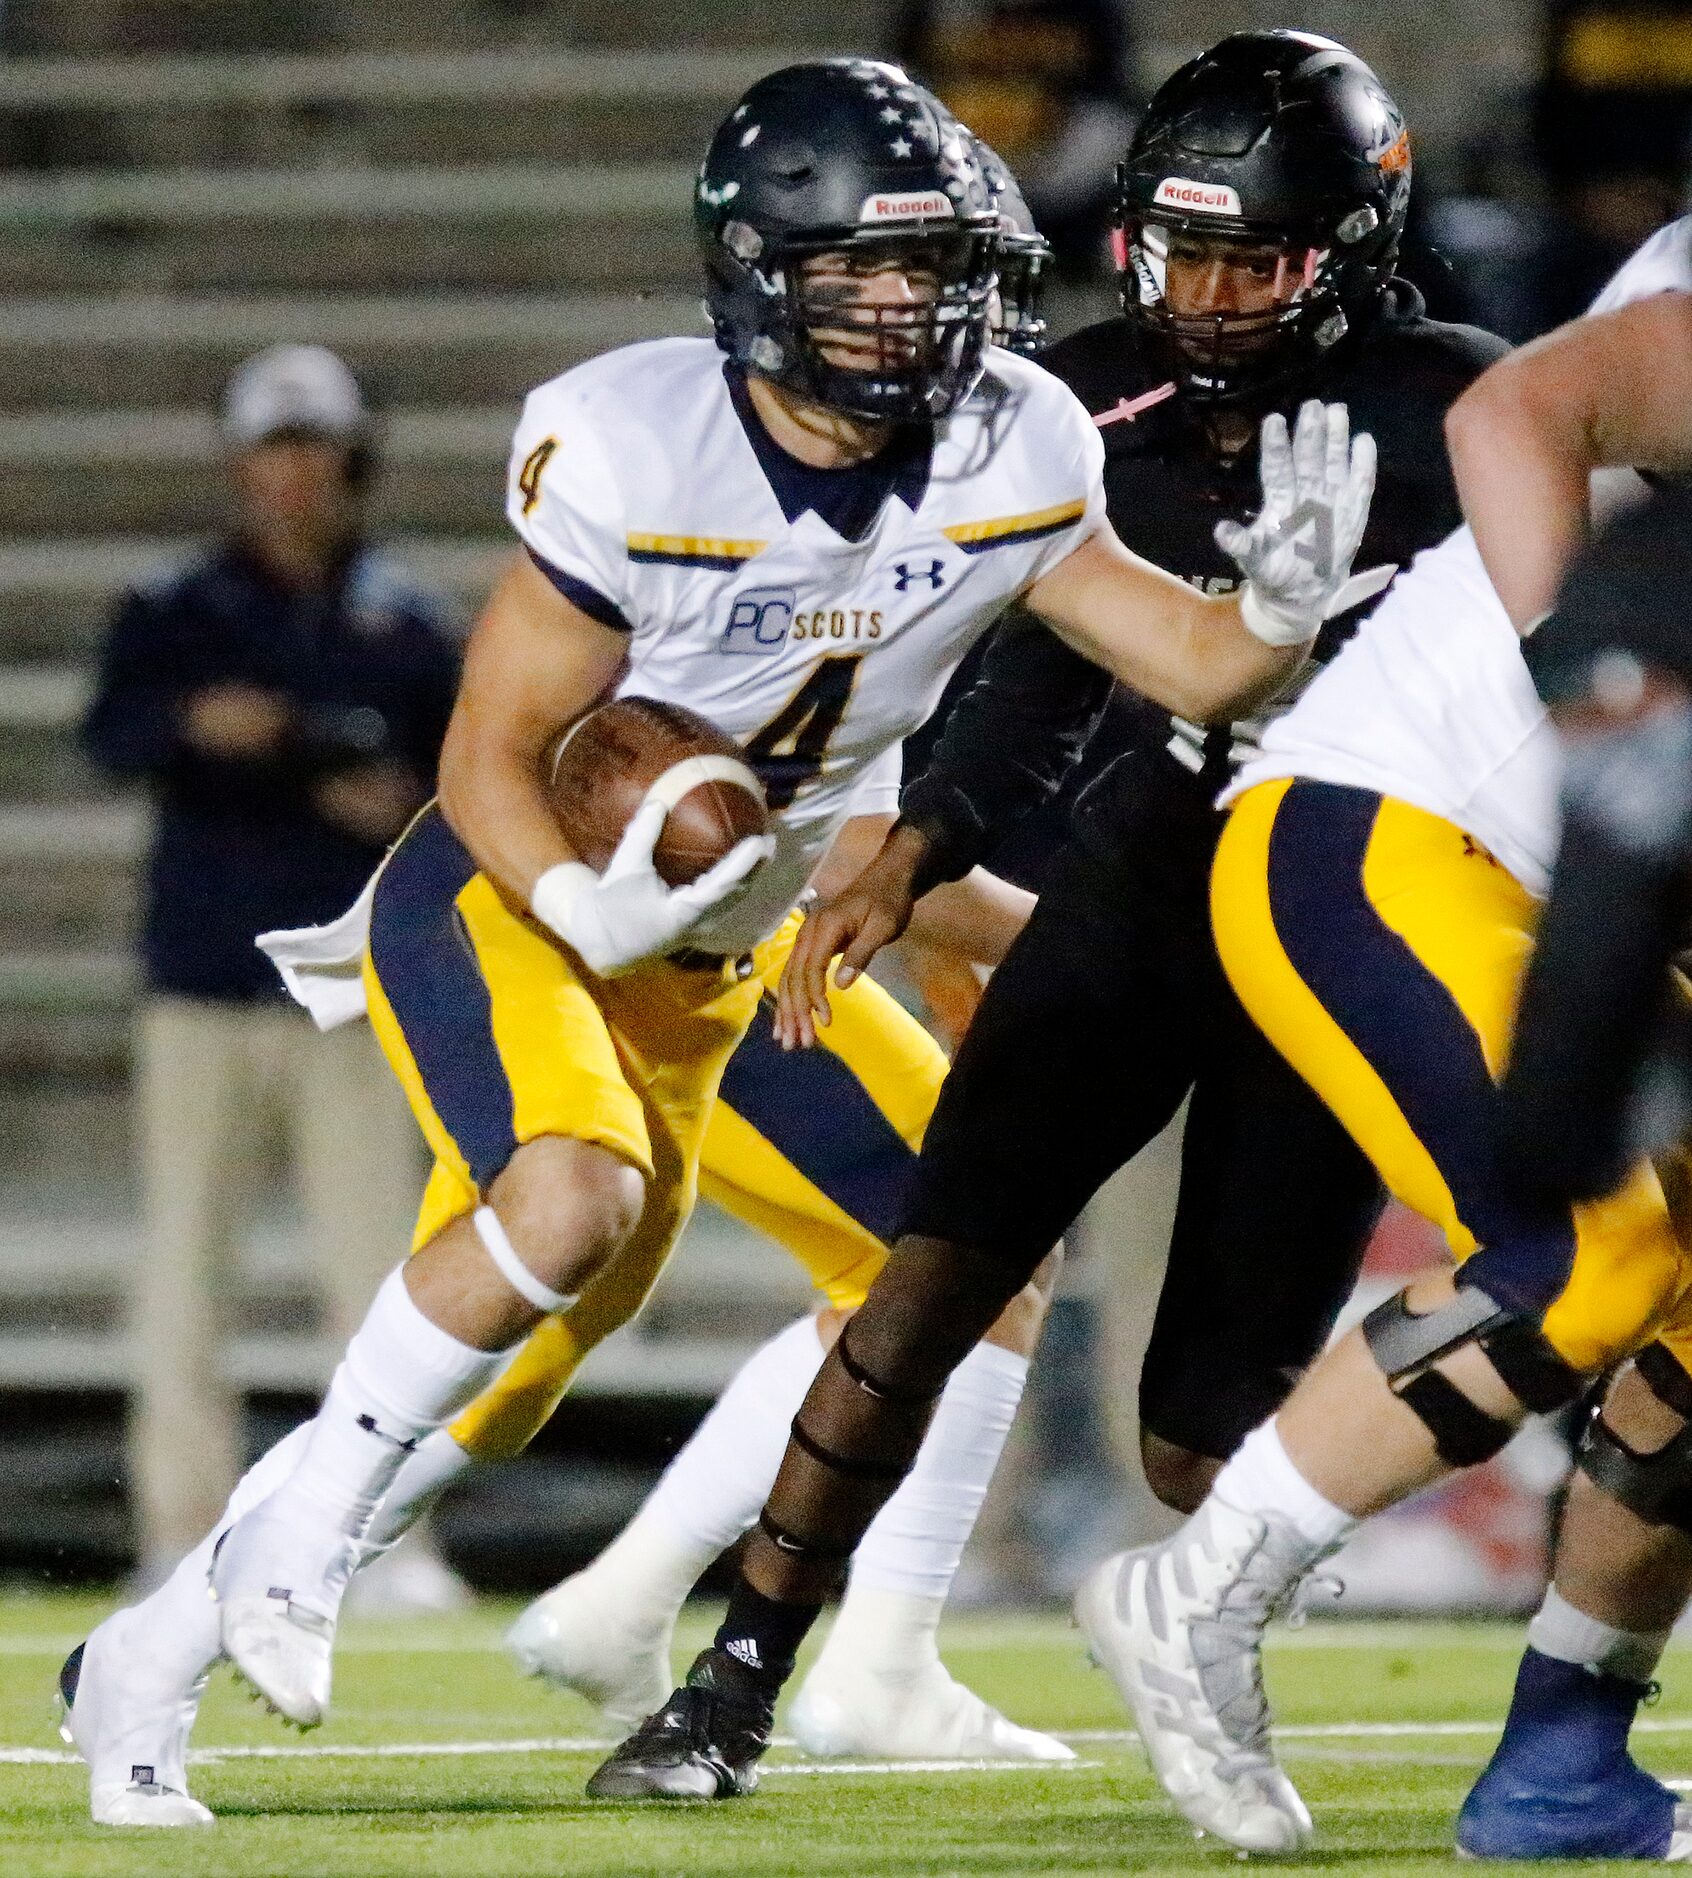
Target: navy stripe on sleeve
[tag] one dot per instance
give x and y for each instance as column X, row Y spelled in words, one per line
column 428, row 970
column 1411, row 1032
column 580, row 593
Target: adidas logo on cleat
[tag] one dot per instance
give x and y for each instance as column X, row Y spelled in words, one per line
column 744, row 1650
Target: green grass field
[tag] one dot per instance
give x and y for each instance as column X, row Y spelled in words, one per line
column 440, row 1761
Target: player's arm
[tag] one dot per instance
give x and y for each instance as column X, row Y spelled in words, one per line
column 865, row 901
column 1210, row 657
column 1188, row 651
column 1202, row 657
column 535, row 663
column 974, row 918
column 1006, row 747
column 1607, row 390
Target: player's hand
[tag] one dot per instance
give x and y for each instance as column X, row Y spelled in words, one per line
column 616, row 919
column 852, row 927
column 1297, row 552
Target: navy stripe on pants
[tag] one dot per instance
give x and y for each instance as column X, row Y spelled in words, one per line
column 1411, row 1031
column 815, row 1113
column 428, row 970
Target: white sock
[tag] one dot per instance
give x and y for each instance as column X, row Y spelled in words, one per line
column 712, row 1491
column 436, row 1461
column 1261, row 1478
column 177, row 1624
column 916, row 1542
column 401, row 1378
column 1562, row 1631
column 651, row 1568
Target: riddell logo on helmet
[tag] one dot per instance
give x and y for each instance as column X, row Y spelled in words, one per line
column 905, row 205
column 1207, row 198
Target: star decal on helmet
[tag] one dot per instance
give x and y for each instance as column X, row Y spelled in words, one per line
column 891, row 116
column 900, row 146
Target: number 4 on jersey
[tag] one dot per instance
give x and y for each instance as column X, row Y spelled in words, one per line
column 788, row 752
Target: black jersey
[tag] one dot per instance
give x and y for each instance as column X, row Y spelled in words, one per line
column 1165, row 490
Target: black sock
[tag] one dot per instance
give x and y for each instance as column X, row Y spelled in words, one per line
column 763, row 1634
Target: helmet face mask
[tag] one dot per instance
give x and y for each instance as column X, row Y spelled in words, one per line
column 890, row 328
column 1018, row 323
column 1238, row 314
column 849, row 241
column 1279, row 146
column 1024, row 256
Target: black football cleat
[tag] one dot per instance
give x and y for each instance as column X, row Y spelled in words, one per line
column 703, row 1744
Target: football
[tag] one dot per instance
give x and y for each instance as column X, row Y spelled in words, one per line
column 607, row 762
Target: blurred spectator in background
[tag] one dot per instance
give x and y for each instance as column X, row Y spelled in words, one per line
column 284, row 695
column 1049, row 84
column 1612, row 126
column 1608, row 126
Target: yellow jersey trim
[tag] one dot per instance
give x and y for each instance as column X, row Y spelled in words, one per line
column 712, row 551
column 1006, row 531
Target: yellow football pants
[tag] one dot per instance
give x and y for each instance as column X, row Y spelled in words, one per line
column 1381, row 951
column 497, row 1038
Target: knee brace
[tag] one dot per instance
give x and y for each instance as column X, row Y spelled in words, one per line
column 1406, row 1347
column 1656, row 1486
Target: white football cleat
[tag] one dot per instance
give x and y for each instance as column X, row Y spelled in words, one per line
column 582, row 1635
column 131, row 1727
column 844, row 1708
column 278, row 1578
column 1178, row 1627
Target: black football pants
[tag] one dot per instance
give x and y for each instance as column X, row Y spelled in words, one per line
column 1110, row 1007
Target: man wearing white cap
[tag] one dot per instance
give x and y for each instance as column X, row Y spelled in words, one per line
column 283, row 694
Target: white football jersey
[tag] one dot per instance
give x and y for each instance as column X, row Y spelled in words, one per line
column 1431, row 701
column 640, row 489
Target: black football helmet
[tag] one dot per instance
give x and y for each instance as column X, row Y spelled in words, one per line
column 850, row 157
column 1275, row 140
column 1024, row 256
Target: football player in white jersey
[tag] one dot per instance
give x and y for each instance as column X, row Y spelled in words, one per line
column 800, row 538
column 1375, row 901
column 1606, row 391
column 878, row 1688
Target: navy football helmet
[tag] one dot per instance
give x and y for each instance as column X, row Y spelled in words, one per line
column 848, row 158
column 1024, row 256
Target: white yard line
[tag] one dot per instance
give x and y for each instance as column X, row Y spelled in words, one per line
column 588, row 1744
column 544, row 1744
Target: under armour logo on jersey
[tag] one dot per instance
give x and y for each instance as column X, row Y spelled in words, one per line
column 907, row 575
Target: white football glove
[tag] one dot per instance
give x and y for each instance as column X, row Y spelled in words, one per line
column 1297, row 551
column 616, row 919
